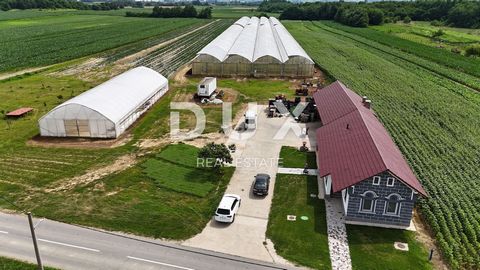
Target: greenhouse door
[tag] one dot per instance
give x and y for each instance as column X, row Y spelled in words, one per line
column 77, row 128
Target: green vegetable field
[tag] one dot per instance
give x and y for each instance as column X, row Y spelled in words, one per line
column 44, row 40
column 433, row 119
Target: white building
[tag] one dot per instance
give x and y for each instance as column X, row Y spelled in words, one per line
column 108, row 109
column 258, row 47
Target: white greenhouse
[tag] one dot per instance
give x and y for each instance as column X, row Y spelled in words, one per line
column 254, row 47
column 108, row 109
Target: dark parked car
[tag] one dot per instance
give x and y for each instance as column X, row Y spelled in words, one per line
column 261, row 184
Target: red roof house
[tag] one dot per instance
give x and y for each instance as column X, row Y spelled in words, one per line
column 355, row 150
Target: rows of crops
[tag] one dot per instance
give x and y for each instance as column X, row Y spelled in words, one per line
column 51, row 39
column 450, row 73
column 456, row 61
column 170, row 57
column 433, row 120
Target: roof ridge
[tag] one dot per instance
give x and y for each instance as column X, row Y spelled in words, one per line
column 278, row 41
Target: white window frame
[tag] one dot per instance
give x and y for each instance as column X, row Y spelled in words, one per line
column 375, row 179
column 398, row 206
column 388, row 181
column 374, row 202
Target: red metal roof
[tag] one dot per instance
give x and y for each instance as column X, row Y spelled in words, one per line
column 19, row 112
column 352, row 143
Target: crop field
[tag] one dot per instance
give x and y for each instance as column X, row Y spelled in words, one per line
column 169, row 58
column 422, row 32
column 45, row 40
column 433, row 120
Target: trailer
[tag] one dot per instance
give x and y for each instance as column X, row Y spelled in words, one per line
column 207, row 87
column 250, row 120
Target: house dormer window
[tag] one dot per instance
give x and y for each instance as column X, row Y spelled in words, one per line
column 390, row 182
column 368, row 202
column 392, row 206
column 376, row 180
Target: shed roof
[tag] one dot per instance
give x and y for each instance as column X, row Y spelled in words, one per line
column 245, row 44
column 290, row 45
column 242, row 21
column 20, row 111
column 119, row 96
column 220, row 46
column 253, row 38
column 353, row 145
column 266, row 44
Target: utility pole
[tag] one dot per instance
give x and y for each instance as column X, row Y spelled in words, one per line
column 34, row 238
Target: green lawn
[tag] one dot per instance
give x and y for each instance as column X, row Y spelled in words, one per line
column 236, row 12
column 302, row 241
column 196, row 182
column 376, row 244
column 257, row 89
column 422, row 32
column 12, row 264
column 181, row 153
column 291, row 157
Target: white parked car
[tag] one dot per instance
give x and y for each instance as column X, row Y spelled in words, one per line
column 227, row 208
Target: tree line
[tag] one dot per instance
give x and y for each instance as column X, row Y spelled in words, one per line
column 455, row 13
column 188, row 11
column 6, row 5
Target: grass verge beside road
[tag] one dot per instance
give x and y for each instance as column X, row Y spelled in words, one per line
column 302, row 241
column 12, row 264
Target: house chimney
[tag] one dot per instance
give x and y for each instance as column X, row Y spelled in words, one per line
column 368, row 104
column 348, row 126
column 364, row 98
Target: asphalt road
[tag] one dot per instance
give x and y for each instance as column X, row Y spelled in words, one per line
column 71, row 247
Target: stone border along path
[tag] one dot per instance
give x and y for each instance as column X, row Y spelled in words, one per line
column 298, row 171
column 337, row 235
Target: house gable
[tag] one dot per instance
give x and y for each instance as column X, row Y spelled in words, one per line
column 382, row 191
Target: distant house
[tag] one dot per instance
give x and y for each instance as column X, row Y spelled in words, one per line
column 359, row 162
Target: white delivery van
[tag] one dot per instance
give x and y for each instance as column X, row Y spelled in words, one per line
column 207, row 86
column 250, row 120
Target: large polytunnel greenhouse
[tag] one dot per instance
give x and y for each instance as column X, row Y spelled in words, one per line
column 108, row 109
column 258, row 47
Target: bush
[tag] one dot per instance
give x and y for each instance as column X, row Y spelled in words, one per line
column 407, row 19
column 473, row 50
column 436, row 23
column 438, row 33
column 356, row 17
column 375, row 16
column 465, row 14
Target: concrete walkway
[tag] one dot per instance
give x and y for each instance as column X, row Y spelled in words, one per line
column 337, row 235
column 258, row 154
column 297, row 171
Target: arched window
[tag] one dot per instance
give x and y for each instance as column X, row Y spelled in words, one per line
column 368, row 202
column 392, row 206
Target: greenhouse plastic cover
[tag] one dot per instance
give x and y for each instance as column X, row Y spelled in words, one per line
column 118, row 97
column 253, row 38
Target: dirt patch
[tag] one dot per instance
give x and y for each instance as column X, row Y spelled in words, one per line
column 424, row 236
column 81, row 143
column 9, row 75
column 122, row 163
column 180, row 76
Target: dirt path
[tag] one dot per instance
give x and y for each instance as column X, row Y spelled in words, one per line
column 122, row 163
column 424, row 237
column 9, row 75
